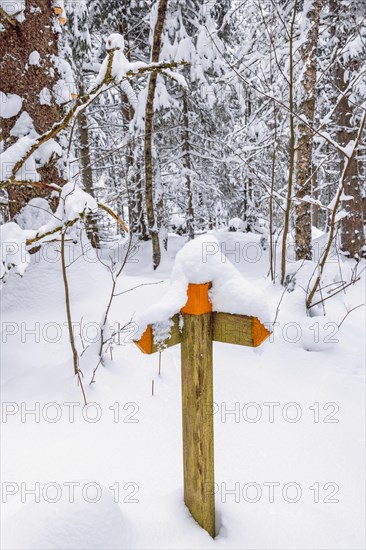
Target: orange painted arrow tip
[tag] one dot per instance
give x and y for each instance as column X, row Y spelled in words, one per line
column 145, row 343
column 260, row 332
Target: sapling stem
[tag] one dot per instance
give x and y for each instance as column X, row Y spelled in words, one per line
column 68, row 315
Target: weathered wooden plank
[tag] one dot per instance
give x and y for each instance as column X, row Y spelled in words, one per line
column 232, row 329
column 198, row 426
column 228, row 328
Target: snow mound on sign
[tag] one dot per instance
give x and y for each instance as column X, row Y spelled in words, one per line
column 67, row 525
column 202, row 261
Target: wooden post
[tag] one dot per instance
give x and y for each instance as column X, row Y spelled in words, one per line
column 198, row 424
column 200, row 327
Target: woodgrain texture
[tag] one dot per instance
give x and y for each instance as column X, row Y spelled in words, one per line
column 233, row 329
column 198, row 425
column 242, row 330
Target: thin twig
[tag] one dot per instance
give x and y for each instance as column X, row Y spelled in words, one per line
column 348, row 312
column 105, row 318
column 137, row 286
column 335, row 293
column 68, row 314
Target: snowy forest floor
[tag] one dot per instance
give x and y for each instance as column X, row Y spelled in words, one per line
column 136, row 446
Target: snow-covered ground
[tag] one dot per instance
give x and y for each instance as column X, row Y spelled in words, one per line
column 289, row 420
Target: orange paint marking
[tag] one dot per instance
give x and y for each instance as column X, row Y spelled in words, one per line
column 260, row 333
column 146, row 341
column 198, row 301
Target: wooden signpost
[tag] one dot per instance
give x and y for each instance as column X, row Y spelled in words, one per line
column 201, row 326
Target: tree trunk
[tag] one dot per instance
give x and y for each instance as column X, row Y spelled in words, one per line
column 286, row 225
column 134, row 186
column 136, row 206
column 161, row 216
column 352, row 230
column 304, row 165
column 245, row 199
column 149, row 192
column 29, row 81
column 134, row 183
column 187, row 166
column 315, row 195
column 272, row 252
column 87, row 174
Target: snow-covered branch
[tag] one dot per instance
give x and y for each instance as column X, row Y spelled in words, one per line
column 113, row 71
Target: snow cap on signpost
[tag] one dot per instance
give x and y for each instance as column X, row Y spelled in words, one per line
column 202, row 261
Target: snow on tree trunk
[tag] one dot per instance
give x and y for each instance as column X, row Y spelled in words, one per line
column 346, row 66
column 304, row 164
column 28, row 70
column 187, row 164
column 135, row 188
column 291, row 168
column 87, row 174
column 152, row 224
